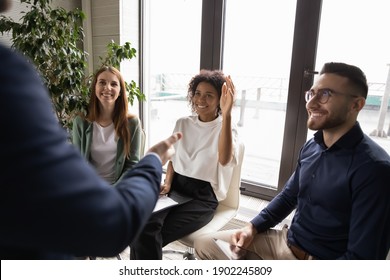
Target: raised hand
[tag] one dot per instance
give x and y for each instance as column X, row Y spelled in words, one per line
column 228, row 96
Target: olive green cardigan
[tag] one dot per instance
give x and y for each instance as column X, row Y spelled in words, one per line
column 82, row 139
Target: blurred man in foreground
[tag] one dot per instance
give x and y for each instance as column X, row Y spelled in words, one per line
column 53, row 205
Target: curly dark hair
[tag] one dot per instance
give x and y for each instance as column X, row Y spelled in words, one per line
column 216, row 78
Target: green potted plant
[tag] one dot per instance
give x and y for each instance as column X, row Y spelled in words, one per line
column 51, row 39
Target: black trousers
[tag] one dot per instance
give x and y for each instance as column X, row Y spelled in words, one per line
column 176, row 222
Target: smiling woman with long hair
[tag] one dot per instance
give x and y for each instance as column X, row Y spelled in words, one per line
column 109, row 137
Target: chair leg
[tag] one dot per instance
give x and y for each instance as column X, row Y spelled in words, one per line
column 174, row 252
column 117, row 256
column 189, row 254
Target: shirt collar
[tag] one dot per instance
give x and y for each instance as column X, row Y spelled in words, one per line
column 348, row 141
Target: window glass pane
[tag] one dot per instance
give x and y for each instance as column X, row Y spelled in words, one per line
column 129, row 26
column 173, row 55
column 360, row 38
column 257, row 54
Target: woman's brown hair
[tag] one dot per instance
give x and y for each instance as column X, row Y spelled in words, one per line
column 120, row 116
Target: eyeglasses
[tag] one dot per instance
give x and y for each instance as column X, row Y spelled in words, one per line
column 324, row 94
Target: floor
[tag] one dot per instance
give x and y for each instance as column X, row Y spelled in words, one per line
column 249, row 207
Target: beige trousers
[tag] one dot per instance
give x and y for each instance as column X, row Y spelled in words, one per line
column 268, row 245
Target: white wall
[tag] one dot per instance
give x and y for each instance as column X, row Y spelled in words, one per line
column 67, row 4
column 115, row 20
column 105, row 26
column 14, row 13
column 17, row 7
column 129, row 32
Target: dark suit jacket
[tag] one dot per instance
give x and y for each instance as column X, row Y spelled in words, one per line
column 52, row 203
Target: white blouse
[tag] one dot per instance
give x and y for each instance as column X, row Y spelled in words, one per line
column 196, row 153
column 103, row 150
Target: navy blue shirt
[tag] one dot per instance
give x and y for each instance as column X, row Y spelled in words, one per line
column 342, row 199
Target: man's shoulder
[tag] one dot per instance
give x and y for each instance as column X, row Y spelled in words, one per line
column 371, row 149
column 12, row 57
column 311, row 145
column 17, row 71
column 5, row 51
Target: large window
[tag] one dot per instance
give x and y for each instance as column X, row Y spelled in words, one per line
column 270, row 50
column 361, row 39
column 257, row 54
column 253, row 41
column 172, row 33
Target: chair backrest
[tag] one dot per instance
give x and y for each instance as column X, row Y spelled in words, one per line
column 232, row 199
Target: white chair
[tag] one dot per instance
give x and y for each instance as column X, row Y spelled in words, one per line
column 226, row 210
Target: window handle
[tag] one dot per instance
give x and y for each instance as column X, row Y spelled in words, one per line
column 309, row 72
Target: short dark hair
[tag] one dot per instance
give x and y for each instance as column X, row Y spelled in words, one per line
column 216, row 78
column 351, row 72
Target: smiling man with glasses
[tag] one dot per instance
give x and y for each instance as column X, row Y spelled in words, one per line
column 335, row 100
column 340, row 189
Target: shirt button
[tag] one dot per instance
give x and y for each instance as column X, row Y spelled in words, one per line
column 313, row 175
